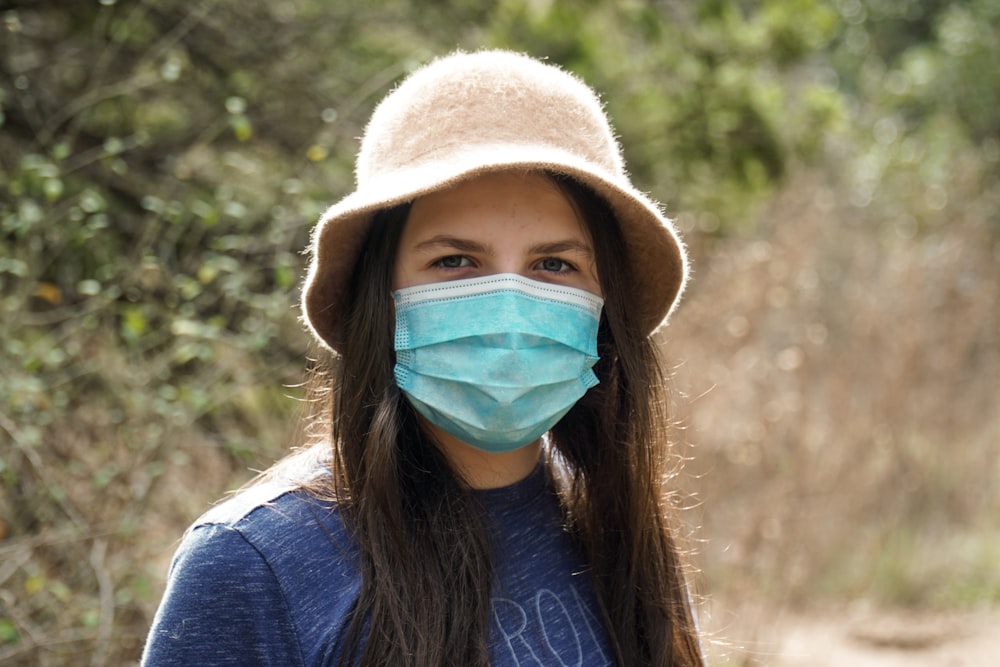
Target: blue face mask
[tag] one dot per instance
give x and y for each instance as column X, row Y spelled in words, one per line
column 495, row 361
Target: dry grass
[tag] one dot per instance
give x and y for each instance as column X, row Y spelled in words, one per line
column 840, row 395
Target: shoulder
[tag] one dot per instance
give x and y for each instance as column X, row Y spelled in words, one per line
column 289, row 476
column 275, row 562
column 221, row 587
column 282, row 526
column 280, row 530
column 279, row 515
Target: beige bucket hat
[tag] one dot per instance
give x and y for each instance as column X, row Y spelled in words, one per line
column 467, row 114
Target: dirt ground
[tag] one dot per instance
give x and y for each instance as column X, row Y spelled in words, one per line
column 857, row 639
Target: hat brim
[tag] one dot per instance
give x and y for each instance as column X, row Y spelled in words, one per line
column 654, row 248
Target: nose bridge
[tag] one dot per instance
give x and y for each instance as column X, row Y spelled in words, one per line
column 512, row 265
column 509, row 253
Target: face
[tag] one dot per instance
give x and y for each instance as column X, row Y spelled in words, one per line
column 497, row 223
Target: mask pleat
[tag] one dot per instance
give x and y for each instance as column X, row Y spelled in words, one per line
column 495, row 362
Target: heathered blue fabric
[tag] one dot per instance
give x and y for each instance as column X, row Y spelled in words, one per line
column 270, row 578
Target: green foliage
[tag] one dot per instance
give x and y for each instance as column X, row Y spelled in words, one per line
column 926, row 80
column 712, row 105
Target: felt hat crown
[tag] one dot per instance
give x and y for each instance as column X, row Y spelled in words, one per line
column 468, row 114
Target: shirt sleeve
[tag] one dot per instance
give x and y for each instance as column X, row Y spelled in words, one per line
column 222, row 606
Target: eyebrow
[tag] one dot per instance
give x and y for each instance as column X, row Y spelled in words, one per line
column 556, row 247
column 467, row 245
column 454, row 242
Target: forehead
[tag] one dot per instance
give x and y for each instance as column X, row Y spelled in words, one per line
column 505, row 205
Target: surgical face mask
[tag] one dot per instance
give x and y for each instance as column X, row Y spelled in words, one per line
column 495, row 361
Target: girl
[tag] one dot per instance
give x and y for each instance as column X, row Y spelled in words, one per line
column 490, row 487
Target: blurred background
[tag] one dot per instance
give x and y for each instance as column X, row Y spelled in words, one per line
column 833, row 164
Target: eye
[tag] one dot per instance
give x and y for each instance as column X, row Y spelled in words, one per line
column 555, row 265
column 453, row 262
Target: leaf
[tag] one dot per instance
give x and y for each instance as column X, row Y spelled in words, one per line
column 242, row 129
column 134, row 323
column 49, row 292
column 8, row 633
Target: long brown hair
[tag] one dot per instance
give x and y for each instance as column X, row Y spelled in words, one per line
column 425, row 553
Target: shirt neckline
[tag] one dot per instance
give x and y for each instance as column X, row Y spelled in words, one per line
column 517, row 494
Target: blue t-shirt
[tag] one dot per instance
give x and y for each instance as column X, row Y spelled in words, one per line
column 270, row 577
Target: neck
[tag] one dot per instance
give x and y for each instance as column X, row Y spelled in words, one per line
column 486, row 470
